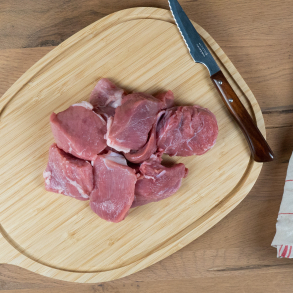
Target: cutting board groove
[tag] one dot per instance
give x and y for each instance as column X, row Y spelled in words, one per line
column 140, row 49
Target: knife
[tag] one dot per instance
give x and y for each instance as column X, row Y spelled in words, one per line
column 259, row 148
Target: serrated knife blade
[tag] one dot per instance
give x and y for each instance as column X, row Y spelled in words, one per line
column 196, row 46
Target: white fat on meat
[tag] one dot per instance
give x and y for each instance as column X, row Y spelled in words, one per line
column 84, row 104
column 78, row 187
column 117, row 103
column 100, row 116
column 47, row 176
column 117, row 158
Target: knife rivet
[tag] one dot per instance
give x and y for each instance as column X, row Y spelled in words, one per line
column 219, row 82
column 230, row 100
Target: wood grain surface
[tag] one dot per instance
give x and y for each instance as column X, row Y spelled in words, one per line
column 235, row 255
column 141, row 49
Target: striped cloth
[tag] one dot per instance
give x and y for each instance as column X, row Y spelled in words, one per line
column 283, row 240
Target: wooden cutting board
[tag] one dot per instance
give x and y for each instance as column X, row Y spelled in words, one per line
column 140, row 49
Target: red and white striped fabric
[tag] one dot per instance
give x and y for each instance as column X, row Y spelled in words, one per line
column 283, row 240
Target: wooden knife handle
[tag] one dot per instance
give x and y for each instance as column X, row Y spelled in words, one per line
column 260, row 149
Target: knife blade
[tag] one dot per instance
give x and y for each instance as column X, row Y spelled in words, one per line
column 260, row 150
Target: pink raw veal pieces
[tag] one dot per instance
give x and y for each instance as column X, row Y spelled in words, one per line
column 149, row 148
column 187, row 131
column 167, row 99
column 110, row 150
column 68, row 175
column 132, row 122
column 106, row 97
column 114, row 183
column 157, row 182
column 79, row 131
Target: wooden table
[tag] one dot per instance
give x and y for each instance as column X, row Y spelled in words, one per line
column 235, row 255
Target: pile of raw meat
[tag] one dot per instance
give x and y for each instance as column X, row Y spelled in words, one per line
column 109, row 151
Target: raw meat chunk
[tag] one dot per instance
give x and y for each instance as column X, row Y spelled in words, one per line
column 93, row 141
column 68, row 175
column 114, row 184
column 167, row 99
column 79, row 131
column 187, row 131
column 132, row 122
column 149, row 148
column 157, row 182
column 106, row 97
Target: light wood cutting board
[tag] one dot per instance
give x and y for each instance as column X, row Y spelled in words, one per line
column 139, row 49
